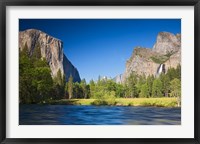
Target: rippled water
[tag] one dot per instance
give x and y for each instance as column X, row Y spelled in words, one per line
column 97, row 115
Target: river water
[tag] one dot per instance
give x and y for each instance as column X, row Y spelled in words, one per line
column 97, row 115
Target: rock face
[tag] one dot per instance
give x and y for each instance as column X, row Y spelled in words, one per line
column 51, row 49
column 69, row 69
column 166, row 53
column 119, row 79
column 167, row 42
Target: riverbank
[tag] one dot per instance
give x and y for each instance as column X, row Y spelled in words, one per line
column 157, row 102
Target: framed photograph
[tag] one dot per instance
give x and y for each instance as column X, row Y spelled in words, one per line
column 99, row 71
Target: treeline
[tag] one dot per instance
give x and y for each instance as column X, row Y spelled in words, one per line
column 135, row 86
column 36, row 84
column 165, row 85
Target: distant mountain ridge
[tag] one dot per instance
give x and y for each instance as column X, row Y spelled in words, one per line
column 51, row 49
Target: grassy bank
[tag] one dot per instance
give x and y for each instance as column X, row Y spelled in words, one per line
column 158, row 102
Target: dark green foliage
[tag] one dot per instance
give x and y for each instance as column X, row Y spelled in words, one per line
column 135, row 86
column 157, row 88
column 149, row 82
column 85, row 89
column 141, row 81
column 70, row 87
column 141, row 86
column 35, row 78
column 92, row 88
column 59, row 86
column 144, row 91
column 42, row 82
column 25, row 77
column 57, row 91
column 60, row 78
column 101, row 87
column 178, row 72
column 174, row 73
column 131, row 85
column 175, row 87
column 120, row 91
column 77, row 90
column 165, row 84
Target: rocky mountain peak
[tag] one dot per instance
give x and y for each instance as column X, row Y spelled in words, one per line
column 167, row 42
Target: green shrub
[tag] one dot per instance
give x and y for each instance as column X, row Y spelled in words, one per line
column 108, row 98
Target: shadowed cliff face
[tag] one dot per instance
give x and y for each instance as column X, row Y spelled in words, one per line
column 69, row 69
column 51, row 49
column 167, row 51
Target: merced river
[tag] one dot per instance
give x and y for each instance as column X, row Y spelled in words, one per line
column 97, row 115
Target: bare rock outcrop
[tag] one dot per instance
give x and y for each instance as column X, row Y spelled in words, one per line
column 167, row 42
column 119, row 79
column 51, row 49
column 166, row 51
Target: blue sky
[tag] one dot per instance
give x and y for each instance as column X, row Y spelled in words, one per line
column 102, row 46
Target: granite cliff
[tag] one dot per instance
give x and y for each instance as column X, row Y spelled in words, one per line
column 165, row 53
column 51, row 49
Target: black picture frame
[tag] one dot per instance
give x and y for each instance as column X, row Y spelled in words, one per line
column 5, row 3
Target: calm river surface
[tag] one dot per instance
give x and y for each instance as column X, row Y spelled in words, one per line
column 97, row 115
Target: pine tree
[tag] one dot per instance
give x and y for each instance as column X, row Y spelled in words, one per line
column 84, row 88
column 178, row 72
column 157, row 88
column 66, row 90
column 175, row 87
column 165, row 84
column 149, row 82
column 77, row 90
column 144, row 91
column 131, row 82
column 35, row 81
column 60, row 79
column 140, row 82
column 171, row 73
column 92, row 88
column 70, row 87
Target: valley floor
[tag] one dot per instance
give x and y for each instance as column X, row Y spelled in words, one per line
column 157, row 102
